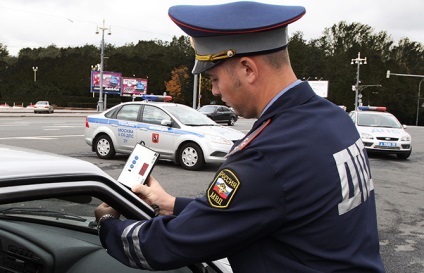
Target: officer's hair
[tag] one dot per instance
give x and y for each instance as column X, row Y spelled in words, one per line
column 277, row 59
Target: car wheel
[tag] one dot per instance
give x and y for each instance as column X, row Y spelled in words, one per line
column 191, row 157
column 232, row 121
column 404, row 155
column 104, row 147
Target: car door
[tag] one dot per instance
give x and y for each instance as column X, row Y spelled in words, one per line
column 224, row 114
column 125, row 129
column 155, row 135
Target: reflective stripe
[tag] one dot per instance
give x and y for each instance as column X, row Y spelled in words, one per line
column 126, row 244
column 137, row 247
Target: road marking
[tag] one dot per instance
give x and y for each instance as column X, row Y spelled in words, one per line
column 40, row 137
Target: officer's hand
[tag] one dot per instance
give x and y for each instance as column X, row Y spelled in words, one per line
column 153, row 194
column 103, row 209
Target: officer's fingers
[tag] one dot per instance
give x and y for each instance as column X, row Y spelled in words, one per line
column 140, row 189
column 103, row 209
column 103, row 206
column 152, row 182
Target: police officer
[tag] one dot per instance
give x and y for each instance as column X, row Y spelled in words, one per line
column 295, row 195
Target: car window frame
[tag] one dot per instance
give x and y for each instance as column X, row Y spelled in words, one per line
column 132, row 114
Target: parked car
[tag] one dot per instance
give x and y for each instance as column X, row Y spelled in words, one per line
column 177, row 132
column 219, row 113
column 43, row 107
column 381, row 131
column 47, row 221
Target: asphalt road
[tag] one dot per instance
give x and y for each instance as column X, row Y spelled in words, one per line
column 398, row 184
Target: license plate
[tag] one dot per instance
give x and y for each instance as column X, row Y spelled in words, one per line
column 387, row 144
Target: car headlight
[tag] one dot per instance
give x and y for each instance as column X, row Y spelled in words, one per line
column 366, row 136
column 405, row 138
column 218, row 139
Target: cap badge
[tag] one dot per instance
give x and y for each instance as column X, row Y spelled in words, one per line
column 216, row 57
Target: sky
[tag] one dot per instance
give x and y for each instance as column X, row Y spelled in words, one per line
column 73, row 23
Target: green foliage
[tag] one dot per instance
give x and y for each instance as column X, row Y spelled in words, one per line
column 63, row 75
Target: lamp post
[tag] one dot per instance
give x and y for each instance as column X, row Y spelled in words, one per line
column 419, row 88
column 35, row 69
column 358, row 61
column 418, row 102
column 362, row 87
column 100, row 105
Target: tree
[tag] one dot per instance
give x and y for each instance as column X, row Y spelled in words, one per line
column 178, row 84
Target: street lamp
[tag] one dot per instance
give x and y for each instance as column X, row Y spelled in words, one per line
column 362, row 87
column 419, row 89
column 100, row 104
column 35, row 69
column 358, row 61
column 95, row 67
column 418, row 102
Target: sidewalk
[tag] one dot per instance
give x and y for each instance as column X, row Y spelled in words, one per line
column 24, row 112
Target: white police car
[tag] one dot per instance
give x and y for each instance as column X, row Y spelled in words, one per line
column 381, row 131
column 178, row 132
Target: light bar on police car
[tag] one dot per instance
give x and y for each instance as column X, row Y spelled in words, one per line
column 372, row 108
column 156, row 97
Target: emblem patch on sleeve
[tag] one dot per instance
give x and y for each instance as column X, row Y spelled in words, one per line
column 222, row 189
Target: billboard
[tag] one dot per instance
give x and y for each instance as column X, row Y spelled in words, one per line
column 133, row 86
column 112, row 82
column 320, row 87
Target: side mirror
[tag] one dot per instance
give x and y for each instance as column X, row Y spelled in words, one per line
column 166, row 122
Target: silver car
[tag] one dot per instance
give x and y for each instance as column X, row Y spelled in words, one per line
column 47, row 219
column 177, row 132
column 43, row 106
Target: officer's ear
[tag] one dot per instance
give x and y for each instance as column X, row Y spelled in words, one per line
column 249, row 68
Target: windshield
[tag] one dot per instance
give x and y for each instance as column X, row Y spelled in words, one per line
column 188, row 116
column 54, row 210
column 378, row 120
column 207, row 109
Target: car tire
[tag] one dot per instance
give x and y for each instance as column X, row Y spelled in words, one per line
column 191, row 157
column 104, row 147
column 404, row 155
column 232, row 121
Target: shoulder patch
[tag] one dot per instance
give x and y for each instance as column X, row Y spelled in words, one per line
column 222, row 190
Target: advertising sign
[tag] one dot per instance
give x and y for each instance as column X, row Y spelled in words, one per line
column 112, row 82
column 133, row 86
column 320, row 87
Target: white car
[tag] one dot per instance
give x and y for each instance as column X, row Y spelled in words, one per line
column 381, row 131
column 47, row 221
column 177, row 132
column 43, row 107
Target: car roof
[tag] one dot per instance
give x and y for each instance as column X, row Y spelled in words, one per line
column 372, row 112
column 36, row 163
column 158, row 103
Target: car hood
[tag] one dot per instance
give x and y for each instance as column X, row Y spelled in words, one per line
column 219, row 130
column 382, row 132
